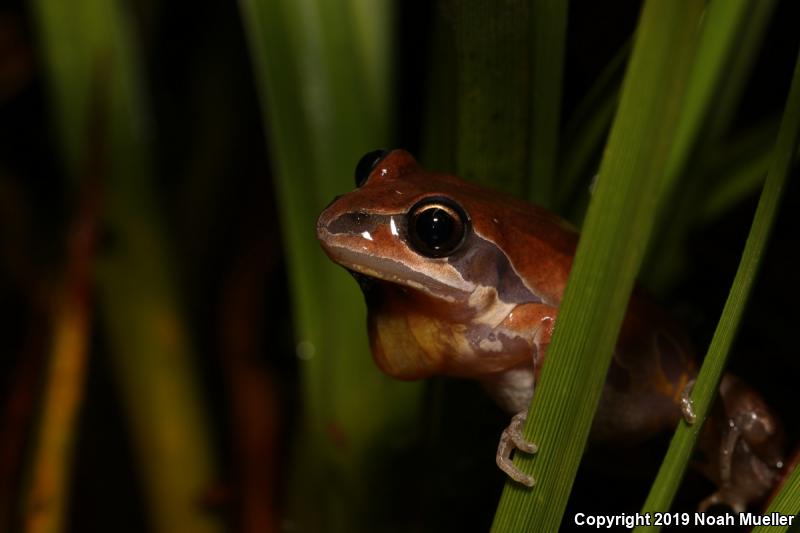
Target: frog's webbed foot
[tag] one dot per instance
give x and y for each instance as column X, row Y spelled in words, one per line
column 511, row 439
column 726, row 495
column 729, row 493
column 745, row 444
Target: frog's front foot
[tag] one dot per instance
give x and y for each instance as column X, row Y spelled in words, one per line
column 510, row 440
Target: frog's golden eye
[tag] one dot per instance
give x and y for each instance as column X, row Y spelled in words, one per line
column 367, row 164
column 437, row 227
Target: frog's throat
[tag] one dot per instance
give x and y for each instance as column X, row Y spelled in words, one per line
column 414, row 345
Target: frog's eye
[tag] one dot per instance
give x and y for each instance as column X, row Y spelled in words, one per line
column 367, row 164
column 437, row 227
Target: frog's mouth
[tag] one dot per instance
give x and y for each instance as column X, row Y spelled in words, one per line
column 373, row 245
column 369, row 270
column 368, row 266
column 366, row 283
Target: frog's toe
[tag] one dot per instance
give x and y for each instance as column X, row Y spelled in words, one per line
column 723, row 497
column 515, row 433
column 511, row 439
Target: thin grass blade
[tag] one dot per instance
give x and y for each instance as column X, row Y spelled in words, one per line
column 587, row 129
column 786, row 504
column 323, row 81
column 548, row 34
column 719, row 55
column 90, row 44
column 495, row 98
column 618, row 224
column 679, row 452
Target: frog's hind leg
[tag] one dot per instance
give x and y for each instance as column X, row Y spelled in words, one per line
column 746, row 448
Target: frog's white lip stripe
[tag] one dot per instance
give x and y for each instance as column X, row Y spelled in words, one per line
column 397, row 272
column 462, row 272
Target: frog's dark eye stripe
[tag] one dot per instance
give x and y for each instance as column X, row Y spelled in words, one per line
column 367, row 164
column 355, row 223
column 437, row 227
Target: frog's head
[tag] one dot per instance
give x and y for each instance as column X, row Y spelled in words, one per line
column 401, row 225
column 427, row 251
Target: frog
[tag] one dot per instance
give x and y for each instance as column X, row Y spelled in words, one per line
column 460, row 280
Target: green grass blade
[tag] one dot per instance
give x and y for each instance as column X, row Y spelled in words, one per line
column 737, row 168
column 739, row 184
column 720, row 27
column 322, row 74
column 740, row 64
column 490, row 142
column 719, row 49
column 587, row 129
column 494, row 110
column 618, row 224
column 548, row 34
column 786, row 503
column 92, row 60
column 738, row 171
column 439, row 134
column 680, row 449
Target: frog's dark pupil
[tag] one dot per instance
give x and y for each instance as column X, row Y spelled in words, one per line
column 435, row 228
column 367, row 164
